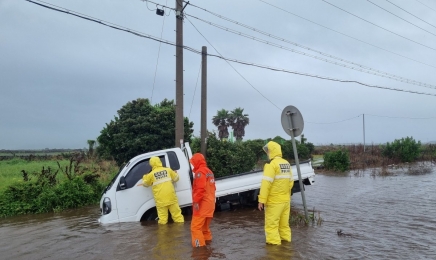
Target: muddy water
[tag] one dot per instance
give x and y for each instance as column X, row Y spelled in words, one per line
column 382, row 218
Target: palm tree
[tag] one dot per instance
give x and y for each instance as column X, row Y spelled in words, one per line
column 220, row 121
column 91, row 144
column 238, row 121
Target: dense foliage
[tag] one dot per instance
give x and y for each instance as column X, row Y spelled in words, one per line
column 226, row 158
column 337, row 160
column 139, row 128
column 405, row 149
column 304, row 150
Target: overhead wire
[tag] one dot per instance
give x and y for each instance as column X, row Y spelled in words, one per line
column 410, row 13
column 403, row 117
column 425, row 5
column 361, row 68
column 401, row 18
column 346, row 35
column 348, row 119
column 233, row 67
column 192, row 103
column 157, row 61
column 114, row 26
column 325, row 123
column 378, row 25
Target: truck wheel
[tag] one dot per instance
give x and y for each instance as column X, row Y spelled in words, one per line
column 150, row 215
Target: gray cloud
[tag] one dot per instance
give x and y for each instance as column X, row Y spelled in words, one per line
column 62, row 78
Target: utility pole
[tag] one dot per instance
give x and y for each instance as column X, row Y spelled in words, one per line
column 179, row 73
column 203, row 134
column 364, row 146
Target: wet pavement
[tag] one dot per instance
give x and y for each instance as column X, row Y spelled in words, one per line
column 378, row 217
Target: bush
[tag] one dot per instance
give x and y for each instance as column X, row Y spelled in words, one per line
column 225, row 158
column 30, row 197
column 405, row 150
column 337, row 160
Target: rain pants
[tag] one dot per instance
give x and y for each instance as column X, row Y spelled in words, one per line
column 275, row 194
column 161, row 179
column 203, row 201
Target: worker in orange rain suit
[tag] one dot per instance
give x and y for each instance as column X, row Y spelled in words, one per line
column 203, row 201
column 161, row 179
column 275, row 195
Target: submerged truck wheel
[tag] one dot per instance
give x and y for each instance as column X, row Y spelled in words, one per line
column 150, row 215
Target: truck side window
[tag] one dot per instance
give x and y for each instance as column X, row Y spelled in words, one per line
column 143, row 167
column 174, row 162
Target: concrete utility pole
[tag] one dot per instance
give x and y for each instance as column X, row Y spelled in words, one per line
column 203, row 134
column 364, row 146
column 179, row 73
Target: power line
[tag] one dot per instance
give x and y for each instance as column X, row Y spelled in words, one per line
column 335, row 121
column 402, row 117
column 361, row 68
column 114, row 26
column 158, row 54
column 354, row 38
column 233, row 67
column 196, row 83
column 401, row 18
column 425, row 5
column 398, row 117
column 410, row 13
column 378, row 25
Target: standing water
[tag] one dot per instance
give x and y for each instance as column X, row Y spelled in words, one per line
column 365, row 217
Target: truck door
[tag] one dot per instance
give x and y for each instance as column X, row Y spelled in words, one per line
column 131, row 197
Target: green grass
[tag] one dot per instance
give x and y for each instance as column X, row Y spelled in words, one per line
column 11, row 170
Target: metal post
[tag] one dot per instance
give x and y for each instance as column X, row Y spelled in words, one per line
column 297, row 163
column 179, row 131
column 203, row 134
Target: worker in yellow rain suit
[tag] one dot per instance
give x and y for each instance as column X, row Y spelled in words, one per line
column 275, row 195
column 162, row 178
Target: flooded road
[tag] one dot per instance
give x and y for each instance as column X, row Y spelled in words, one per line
column 381, row 218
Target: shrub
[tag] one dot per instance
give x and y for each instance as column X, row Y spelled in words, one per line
column 405, row 150
column 337, row 160
column 225, row 158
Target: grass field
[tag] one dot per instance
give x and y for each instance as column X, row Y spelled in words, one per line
column 11, row 171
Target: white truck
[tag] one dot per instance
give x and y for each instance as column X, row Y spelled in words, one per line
column 124, row 200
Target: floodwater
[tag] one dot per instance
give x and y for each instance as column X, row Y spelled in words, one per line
column 381, row 218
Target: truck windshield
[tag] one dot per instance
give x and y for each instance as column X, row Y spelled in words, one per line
column 113, row 179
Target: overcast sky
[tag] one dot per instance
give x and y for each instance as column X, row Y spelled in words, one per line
column 62, row 78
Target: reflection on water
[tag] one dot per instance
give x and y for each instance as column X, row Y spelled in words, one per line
column 385, row 218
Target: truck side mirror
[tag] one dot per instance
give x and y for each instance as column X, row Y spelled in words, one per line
column 123, row 184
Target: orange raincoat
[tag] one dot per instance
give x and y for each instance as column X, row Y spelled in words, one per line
column 203, row 200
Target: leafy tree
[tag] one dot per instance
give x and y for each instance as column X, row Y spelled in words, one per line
column 220, row 120
column 238, row 121
column 139, row 128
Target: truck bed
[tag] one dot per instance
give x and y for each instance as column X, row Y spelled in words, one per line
column 251, row 180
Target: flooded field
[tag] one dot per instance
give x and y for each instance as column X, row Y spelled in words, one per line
column 378, row 217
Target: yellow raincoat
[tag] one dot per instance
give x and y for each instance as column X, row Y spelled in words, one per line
column 161, row 179
column 275, row 193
